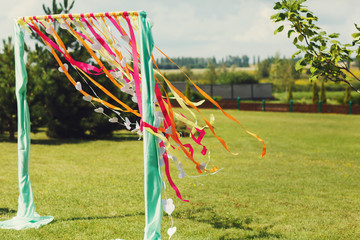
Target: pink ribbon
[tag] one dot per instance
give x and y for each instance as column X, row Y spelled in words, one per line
column 136, row 76
column 83, row 66
column 167, row 172
column 98, row 37
column 115, row 24
column 198, row 140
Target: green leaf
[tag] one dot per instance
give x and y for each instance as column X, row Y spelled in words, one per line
column 301, row 38
column 295, row 54
column 313, row 69
column 323, row 48
column 334, row 35
column 277, row 6
column 356, row 35
column 279, row 29
column 292, row 15
column 300, row 64
column 290, row 32
column 309, row 32
column 295, row 41
column 275, row 16
column 72, row 5
column 314, row 77
column 358, row 28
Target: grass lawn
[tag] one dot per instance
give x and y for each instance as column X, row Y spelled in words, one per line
column 307, row 186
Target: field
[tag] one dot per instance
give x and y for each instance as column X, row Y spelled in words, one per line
column 307, row 186
column 250, row 69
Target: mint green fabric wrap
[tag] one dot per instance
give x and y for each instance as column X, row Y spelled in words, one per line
column 26, row 216
column 153, row 186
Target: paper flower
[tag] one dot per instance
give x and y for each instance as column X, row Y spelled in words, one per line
column 78, row 86
column 113, row 120
column 127, row 123
column 87, row 98
column 66, row 67
column 99, row 110
column 171, row 231
column 168, row 205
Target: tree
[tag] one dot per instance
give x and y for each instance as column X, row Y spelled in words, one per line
column 322, row 92
column 282, row 72
column 290, row 94
column 188, row 92
column 67, row 116
column 164, row 88
column 211, row 73
column 327, row 57
column 223, row 76
column 276, row 71
column 263, row 69
column 245, row 61
column 315, row 93
column 347, row 97
column 7, row 89
column 8, row 105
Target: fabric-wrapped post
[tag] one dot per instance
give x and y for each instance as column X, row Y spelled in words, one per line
column 152, row 177
column 26, row 216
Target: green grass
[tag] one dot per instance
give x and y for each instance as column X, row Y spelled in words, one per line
column 307, row 186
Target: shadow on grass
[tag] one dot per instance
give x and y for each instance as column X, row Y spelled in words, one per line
column 117, row 137
column 209, row 216
column 98, row 217
column 5, row 138
column 4, row 211
column 263, row 234
column 221, row 221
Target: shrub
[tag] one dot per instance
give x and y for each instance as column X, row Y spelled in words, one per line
column 239, row 77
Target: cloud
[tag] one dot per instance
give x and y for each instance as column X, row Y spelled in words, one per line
column 338, row 16
column 21, row 8
column 259, row 29
column 207, row 28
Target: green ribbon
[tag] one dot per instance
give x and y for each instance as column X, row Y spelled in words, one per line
column 26, row 216
column 153, row 186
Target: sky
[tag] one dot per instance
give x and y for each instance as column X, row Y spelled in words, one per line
column 206, row 28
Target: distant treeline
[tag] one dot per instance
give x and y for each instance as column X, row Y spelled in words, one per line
column 201, row 62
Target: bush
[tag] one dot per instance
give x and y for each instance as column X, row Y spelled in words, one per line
column 176, row 77
column 356, row 99
column 182, row 129
column 239, row 77
column 197, row 96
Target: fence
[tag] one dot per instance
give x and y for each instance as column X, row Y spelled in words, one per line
column 283, row 107
column 232, row 91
